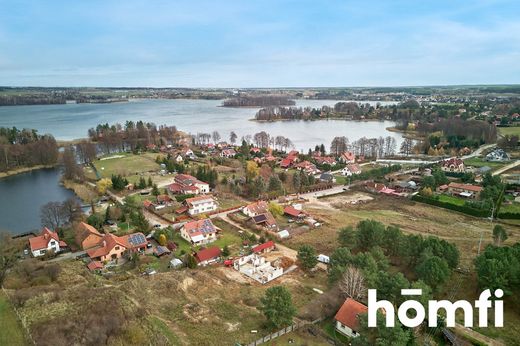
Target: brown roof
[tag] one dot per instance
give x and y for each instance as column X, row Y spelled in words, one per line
column 108, row 242
column 349, row 312
column 95, row 265
column 259, row 207
column 207, row 254
column 292, row 211
column 261, row 247
column 469, row 187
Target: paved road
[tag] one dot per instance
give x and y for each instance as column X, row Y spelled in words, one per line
column 68, row 255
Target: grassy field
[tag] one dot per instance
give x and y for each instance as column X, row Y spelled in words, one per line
column 478, row 162
column 128, row 165
column 12, row 331
column 451, row 200
column 513, row 130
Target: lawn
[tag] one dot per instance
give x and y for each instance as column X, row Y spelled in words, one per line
column 510, row 208
column 128, row 165
column 478, row 162
column 512, row 130
column 451, row 200
column 12, row 332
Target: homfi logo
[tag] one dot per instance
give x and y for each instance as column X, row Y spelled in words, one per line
column 418, row 311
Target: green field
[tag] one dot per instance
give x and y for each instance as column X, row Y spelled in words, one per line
column 478, row 162
column 451, row 200
column 128, row 165
column 513, row 130
column 12, row 332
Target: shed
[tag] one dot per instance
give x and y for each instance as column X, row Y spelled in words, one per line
column 283, row 234
column 175, row 263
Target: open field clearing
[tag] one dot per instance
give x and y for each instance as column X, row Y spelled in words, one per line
column 127, row 165
column 410, row 216
column 12, row 331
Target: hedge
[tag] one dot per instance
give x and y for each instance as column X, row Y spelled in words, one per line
column 508, row 215
column 182, row 198
column 460, row 208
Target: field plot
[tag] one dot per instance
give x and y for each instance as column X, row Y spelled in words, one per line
column 12, row 332
column 127, row 165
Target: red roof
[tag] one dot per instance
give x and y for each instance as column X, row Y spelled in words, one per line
column 292, row 211
column 108, row 242
column 41, row 241
column 468, row 187
column 94, row 265
column 207, row 254
column 349, row 312
column 261, row 247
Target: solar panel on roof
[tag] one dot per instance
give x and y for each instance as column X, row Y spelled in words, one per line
column 260, row 218
column 136, row 239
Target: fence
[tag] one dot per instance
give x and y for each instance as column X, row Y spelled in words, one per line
column 283, row 331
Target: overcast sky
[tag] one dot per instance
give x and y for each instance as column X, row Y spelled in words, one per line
column 267, row 43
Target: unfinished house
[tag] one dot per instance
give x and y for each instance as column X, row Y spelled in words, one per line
column 257, row 268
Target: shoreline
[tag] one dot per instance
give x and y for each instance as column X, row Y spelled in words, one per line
column 406, row 134
column 329, row 118
column 24, row 170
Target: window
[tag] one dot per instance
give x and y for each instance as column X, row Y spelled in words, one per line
column 117, row 247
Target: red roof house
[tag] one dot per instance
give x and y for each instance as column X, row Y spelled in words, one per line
column 346, row 318
column 265, row 247
column 292, row 211
column 46, row 241
column 207, row 256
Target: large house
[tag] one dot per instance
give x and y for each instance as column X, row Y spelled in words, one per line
column 497, row 155
column 322, row 160
column 307, row 167
column 200, row 205
column 228, row 153
column 464, row 190
column 453, row 164
column 255, row 208
column 187, row 184
column 290, row 159
column 208, row 256
column 46, row 241
column 112, row 247
column 346, row 318
column 199, row 232
column 87, row 236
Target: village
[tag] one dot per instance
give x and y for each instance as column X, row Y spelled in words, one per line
column 244, row 214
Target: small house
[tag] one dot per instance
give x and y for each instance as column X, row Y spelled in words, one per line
column 199, row 232
column 208, row 256
column 45, row 242
column 346, row 319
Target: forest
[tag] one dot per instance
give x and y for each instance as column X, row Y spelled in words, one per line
column 258, row 101
column 26, row 148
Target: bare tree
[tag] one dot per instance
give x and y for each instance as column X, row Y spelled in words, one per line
column 233, row 137
column 338, row 145
column 407, row 146
column 353, row 283
column 216, row 136
column 52, row 215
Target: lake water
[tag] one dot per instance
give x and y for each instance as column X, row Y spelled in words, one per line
column 71, row 121
column 22, row 195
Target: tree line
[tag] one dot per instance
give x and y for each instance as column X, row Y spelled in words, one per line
column 26, row 148
column 367, row 147
column 258, row 101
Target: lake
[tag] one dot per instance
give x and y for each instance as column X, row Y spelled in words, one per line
column 22, row 195
column 71, row 121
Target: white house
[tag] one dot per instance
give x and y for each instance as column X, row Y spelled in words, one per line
column 229, row 153
column 350, row 170
column 199, row 232
column 346, row 318
column 179, row 159
column 46, row 241
column 200, row 205
column 255, row 208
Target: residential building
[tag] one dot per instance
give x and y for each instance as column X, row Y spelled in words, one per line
column 350, row 170
column 255, row 208
column 208, row 256
column 87, row 236
column 187, row 184
column 453, row 164
column 112, row 247
column 199, row 232
column 346, row 318
column 200, row 205
column 266, row 220
column 265, row 247
column 307, row 167
column 464, row 190
column 322, row 160
column 498, row 155
column 228, row 153
column 347, row 157
column 293, row 212
column 289, row 160
column 45, row 242
column 327, row 177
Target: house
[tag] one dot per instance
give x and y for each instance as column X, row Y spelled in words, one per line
column 289, row 160
column 95, row 266
column 199, row 232
column 265, row 247
column 188, row 153
column 266, row 220
column 497, row 155
column 207, row 256
column 255, row 208
column 325, row 160
column 164, row 200
column 46, row 241
column 327, row 177
column 346, row 318
column 350, row 170
column 87, row 236
column 187, row 184
column 257, row 268
column 175, row 263
column 228, row 153
column 374, row 187
column 179, row 158
column 307, row 167
column 453, row 164
column 200, row 204
column 464, row 190
column 112, row 247
column 255, row 150
column 347, row 157
column 293, row 212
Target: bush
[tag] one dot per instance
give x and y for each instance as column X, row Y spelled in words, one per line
column 182, row 198
column 460, row 208
column 508, row 215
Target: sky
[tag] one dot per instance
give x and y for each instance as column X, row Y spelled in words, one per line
column 267, row 43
